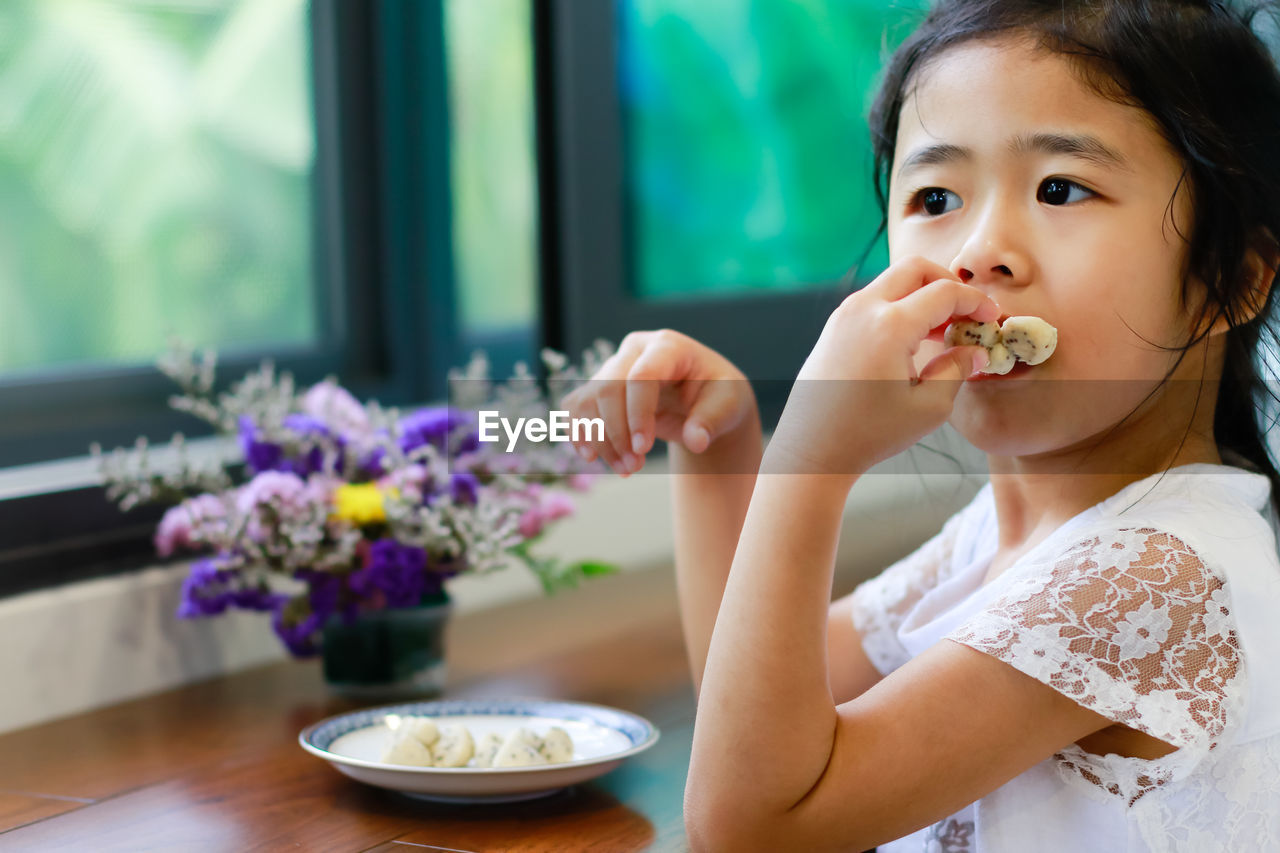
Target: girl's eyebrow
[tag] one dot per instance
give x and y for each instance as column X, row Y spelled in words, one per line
column 1083, row 146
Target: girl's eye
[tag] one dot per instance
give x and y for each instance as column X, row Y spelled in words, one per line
column 932, row 199
column 1058, row 191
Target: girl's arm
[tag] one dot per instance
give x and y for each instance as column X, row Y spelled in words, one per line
column 665, row 385
column 776, row 764
column 710, row 495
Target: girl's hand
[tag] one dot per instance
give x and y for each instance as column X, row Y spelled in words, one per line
column 859, row 398
column 660, row 384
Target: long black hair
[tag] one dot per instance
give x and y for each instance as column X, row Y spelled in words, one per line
column 1199, row 69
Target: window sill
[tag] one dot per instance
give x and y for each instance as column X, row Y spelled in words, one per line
column 106, row 640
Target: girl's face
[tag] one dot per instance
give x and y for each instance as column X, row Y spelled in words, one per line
column 1056, row 202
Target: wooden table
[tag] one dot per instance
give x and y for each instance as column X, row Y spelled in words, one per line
column 217, row 766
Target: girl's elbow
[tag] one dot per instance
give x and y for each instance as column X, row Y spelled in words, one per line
column 706, row 825
column 714, row 824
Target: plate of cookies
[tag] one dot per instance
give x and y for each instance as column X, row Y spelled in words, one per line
column 479, row 750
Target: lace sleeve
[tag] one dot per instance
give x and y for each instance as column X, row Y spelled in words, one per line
column 1131, row 624
column 880, row 604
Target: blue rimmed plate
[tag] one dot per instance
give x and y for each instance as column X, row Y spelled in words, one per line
column 603, row 738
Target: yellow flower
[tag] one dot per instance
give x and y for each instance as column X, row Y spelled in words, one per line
column 359, row 503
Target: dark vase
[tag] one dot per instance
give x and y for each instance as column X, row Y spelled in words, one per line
column 388, row 654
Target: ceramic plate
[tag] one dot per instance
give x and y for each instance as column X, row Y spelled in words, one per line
column 603, row 738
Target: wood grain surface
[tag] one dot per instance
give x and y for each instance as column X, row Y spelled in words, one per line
column 216, row 765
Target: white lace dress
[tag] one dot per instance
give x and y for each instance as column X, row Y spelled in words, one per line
column 1158, row 608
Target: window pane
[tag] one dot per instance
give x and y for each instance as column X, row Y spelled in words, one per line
column 748, row 156
column 155, row 168
column 490, row 56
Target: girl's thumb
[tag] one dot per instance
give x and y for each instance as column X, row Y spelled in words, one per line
column 956, row 364
column 716, row 411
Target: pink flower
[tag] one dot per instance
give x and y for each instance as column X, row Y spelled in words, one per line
column 270, row 487
column 410, row 481
column 581, row 482
column 558, row 505
column 547, row 506
column 531, row 522
column 334, row 405
column 181, row 524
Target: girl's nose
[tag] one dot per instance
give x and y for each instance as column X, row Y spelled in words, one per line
column 993, row 253
column 966, row 275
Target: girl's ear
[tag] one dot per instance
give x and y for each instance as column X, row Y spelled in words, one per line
column 1261, row 263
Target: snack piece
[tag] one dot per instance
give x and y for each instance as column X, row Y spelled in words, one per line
column 407, row 749
column 557, row 746
column 454, row 747
column 522, row 748
column 1029, row 338
column 966, row 333
column 487, row 749
column 423, row 728
column 999, row 360
column 1022, row 338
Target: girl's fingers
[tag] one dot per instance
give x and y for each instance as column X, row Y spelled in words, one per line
column 611, row 399
column 937, row 303
column 660, row 363
column 954, row 365
column 906, row 277
column 716, row 411
column 603, row 449
column 579, row 406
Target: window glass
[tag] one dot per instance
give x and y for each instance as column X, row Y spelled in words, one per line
column 748, row 159
column 490, row 56
column 155, row 179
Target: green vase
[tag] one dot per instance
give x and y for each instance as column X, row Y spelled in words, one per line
column 388, row 654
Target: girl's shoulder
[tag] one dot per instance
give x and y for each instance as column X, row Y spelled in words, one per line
column 1167, row 583
column 1222, row 513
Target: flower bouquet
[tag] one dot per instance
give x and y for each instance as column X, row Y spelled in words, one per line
column 335, row 509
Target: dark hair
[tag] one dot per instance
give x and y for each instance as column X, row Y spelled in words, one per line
column 1210, row 83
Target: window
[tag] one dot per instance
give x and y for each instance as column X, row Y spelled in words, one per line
column 269, row 178
column 714, row 171
column 373, row 188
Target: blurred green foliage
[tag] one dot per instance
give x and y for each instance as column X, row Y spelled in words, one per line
column 749, row 160
column 155, row 168
column 495, row 209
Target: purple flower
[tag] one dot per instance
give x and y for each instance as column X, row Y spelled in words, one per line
column 371, row 462
column 205, row 592
column 258, row 455
column 434, row 426
column 318, row 433
column 464, row 488
column 313, row 433
column 208, row 591
column 398, row 571
column 256, row 598
column 300, row 621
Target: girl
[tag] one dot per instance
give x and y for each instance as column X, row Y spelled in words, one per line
column 1082, row 659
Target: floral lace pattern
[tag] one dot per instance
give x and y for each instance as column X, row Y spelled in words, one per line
column 949, row 836
column 1132, row 624
column 1229, row 806
column 883, row 602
